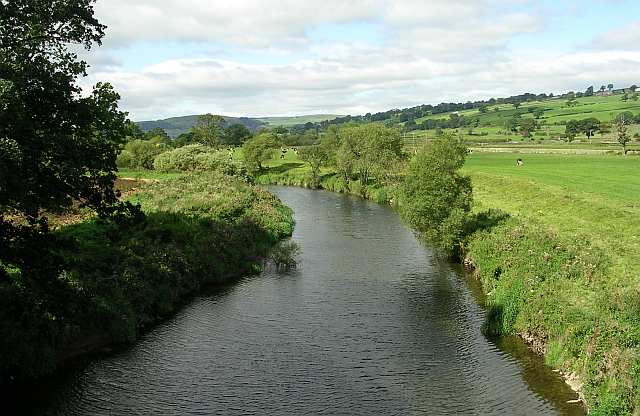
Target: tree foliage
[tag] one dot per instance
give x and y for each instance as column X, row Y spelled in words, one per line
column 208, row 130
column 435, row 199
column 316, row 157
column 367, row 150
column 258, row 150
column 58, row 146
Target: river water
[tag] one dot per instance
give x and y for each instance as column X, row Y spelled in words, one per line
column 371, row 323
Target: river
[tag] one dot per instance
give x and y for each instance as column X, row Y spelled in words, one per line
column 371, row 323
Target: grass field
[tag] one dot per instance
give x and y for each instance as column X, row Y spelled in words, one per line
column 556, row 112
column 597, row 197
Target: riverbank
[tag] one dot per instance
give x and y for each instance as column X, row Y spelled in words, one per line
column 557, row 264
column 125, row 274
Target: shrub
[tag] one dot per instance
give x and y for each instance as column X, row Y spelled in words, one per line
column 196, row 158
column 284, row 255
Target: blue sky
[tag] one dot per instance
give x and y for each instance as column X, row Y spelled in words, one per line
column 288, row 57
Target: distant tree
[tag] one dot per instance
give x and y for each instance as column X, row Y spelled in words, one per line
column 208, row 130
column 571, row 130
column 633, row 88
column 483, row 109
column 527, row 126
column 572, row 102
column 589, row 127
column 622, row 134
column 157, row 132
column 610, row 87
column 538, row 112
column 634, row 96
column 589, row 92
column 258, row 150
column 236, row 134
column 517, row 104
column 316, row 157
column 512, row 123
column 602, row 89
column 368, row 150
column 625, row 97
column 184, row 139
column 435, row 199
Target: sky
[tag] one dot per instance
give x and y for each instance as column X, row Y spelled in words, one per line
column 260, row 58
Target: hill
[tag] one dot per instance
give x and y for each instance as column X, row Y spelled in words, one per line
column 175, row 126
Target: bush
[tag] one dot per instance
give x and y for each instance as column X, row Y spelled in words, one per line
column 139, row 154
column 284, row 255
column 196, row 158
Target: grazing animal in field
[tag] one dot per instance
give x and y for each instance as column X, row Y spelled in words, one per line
column 519, row 162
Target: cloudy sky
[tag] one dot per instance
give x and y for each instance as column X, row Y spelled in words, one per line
column 292, row 57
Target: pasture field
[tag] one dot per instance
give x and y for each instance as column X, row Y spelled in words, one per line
column 555, row 110
column 579, row 196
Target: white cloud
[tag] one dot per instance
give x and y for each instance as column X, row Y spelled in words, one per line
column 627, row 37
column 431, row 51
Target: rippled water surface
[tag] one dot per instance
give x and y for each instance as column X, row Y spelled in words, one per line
column 371, row 323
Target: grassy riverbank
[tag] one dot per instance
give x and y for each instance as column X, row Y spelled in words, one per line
column 125, row 274
column 558, row 261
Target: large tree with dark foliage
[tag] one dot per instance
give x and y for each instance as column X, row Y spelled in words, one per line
column 57, row 147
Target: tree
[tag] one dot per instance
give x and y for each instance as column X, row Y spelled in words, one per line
column 236, row 134
column 625, row 97
column 572, row 102
column 58, row 147
column 633, row 88
column 517, row 104
column 634, row 96
column 622, row 133
column 610, row 87
column 258, row 150
column 589, row 92
column 602, row 88
column 157, row 132
column 316, row 157
column 435, row 199
column 571, row 130
column 483, row 109
column 589, row 127
column 538, row 113
column 527, row 126
column 208, row 130
column 368, row 149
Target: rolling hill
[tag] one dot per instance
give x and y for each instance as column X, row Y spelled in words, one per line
column 175, row 126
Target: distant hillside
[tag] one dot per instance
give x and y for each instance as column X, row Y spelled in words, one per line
column 175, row 126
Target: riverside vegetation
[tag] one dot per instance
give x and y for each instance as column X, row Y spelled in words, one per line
column 553, row 243
column 81, row 266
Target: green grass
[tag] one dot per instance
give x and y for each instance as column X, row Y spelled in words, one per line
column 147, row 174
column 564, row 268
column 555, row 113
